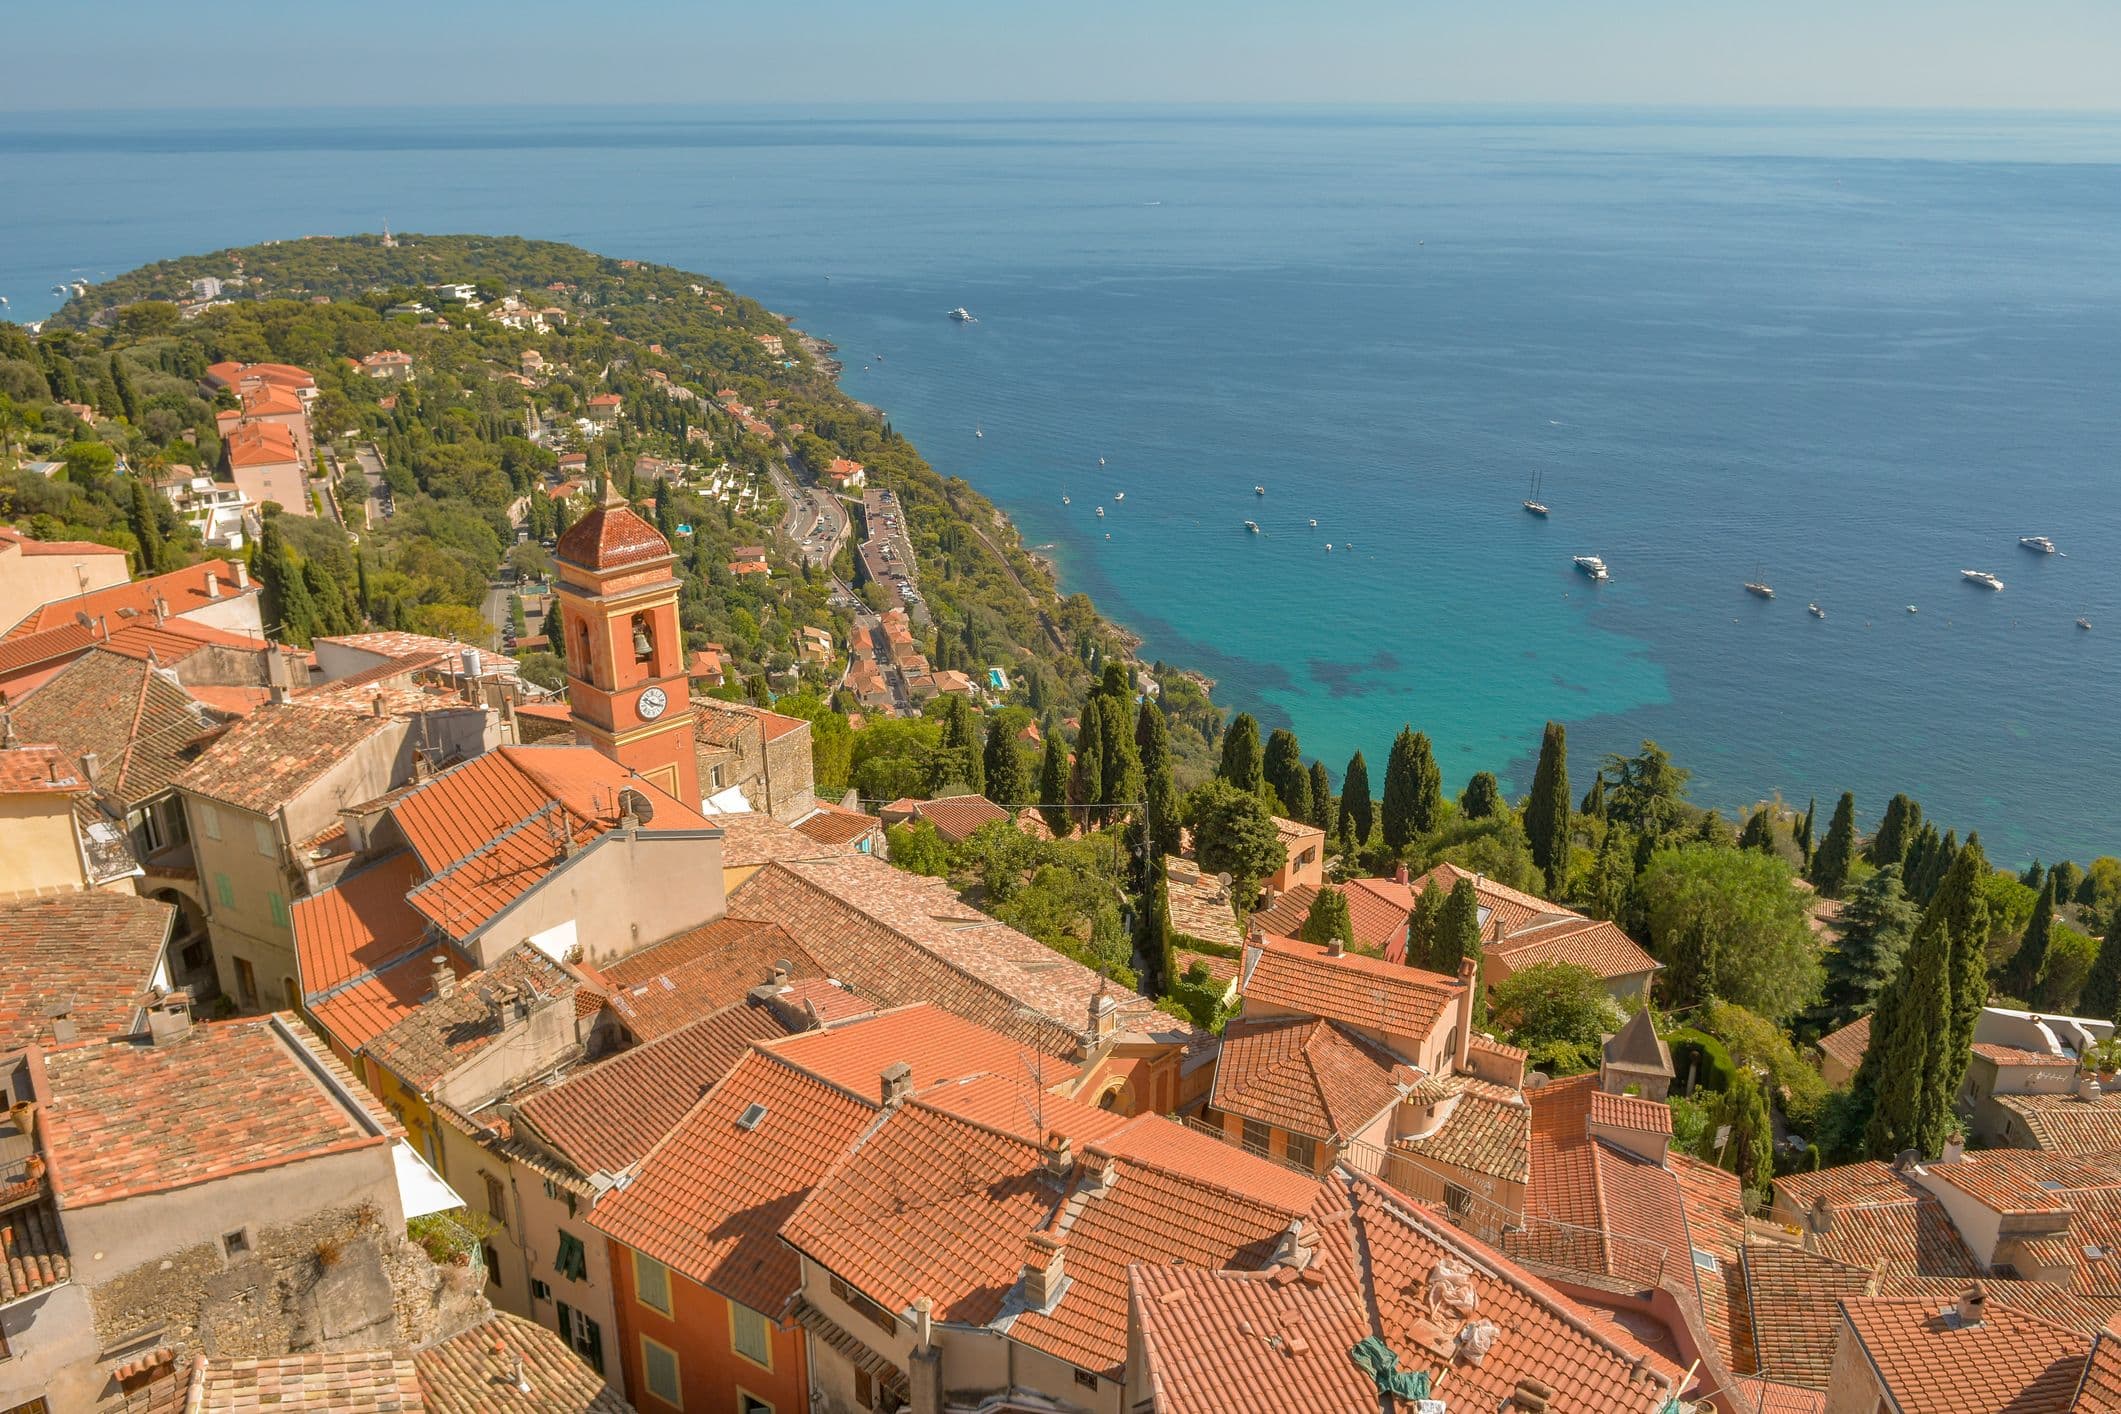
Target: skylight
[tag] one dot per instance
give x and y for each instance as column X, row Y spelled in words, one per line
column 752, row 1117
column 1706, row 1261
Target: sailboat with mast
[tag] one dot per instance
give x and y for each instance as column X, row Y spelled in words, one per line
column 1532, row 502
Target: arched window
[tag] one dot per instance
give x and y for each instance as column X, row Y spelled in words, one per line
column 581, row 648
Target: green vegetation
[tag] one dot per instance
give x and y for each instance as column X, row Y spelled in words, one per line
column 1546, row 814
column 1328, row 919
column 1558, row 1012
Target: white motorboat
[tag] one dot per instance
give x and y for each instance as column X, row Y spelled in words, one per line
column 1592, row 566
column 2038, row 544
column 963, row 315
column 1982, row 578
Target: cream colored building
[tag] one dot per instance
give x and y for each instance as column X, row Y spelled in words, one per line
column 35, row 572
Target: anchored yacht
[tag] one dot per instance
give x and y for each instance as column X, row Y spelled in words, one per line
column 1759, row 590
column 1593, row 566
column 2038, row 544
column 1982, row 578
column 963, row 315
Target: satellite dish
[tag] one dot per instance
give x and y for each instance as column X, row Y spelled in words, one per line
column 632, row 802
column 1224, row 879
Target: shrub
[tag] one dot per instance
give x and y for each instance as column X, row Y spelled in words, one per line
column 1701, row 1055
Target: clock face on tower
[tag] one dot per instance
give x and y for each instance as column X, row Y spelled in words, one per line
column 650, row 704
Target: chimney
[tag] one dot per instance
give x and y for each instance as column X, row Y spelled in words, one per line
column 1820, row 1217
column 897, row 1080
column 1335, row 947
column 1399, row 872
column 213, row 585
column 169, row 1018
column 1058, row 1155
column 1954, row 1149
column 62, row 1016
column 242, row 575
column 445, row 978
column 91, row 765
column 2087, row 1086
column 160, row 606
column 1970, row 1306
column 1044, row 1270
column 1297, row 1245
column 376, row 703
column 923, row 1322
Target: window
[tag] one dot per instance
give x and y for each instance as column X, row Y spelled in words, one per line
column 246, row 982
column 659, row 1371
column 539, row 1291
column 493, row 1263
column 864, row 1389
column 1256, row 1136
column 749, row 1335
column 235, row 1244
column 278, row 905
column 1086, row 1379
column 882, row 1319
column 748, row 1403
column 651, row 1283
column 261, row 830
column 293, row 995
column 224, row 891
column 1303, row 1152
column 585, row 1335
column 1457, row 1201
column 209, row 820
column 496, row 1199
column 572, row 1261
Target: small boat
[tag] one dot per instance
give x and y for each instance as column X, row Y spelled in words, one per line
column 1065, row 501
column 1815, row 611
column 1100, row 512
column 1592, row 566
column 963, row 315
column 1759, row 590
column 1982, row 578
column 1259, row 490
column 1119, row 495
column 1913, row 610
column 1314, row 522
column 2085, row 624
column 1329, row 547
column 1100, row 461
column 979, row 432
column 1108, row 535
column 2038, row 544
column 1253, row 526
column 1532, row 502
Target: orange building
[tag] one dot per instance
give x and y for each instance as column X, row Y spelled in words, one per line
column 626, row 682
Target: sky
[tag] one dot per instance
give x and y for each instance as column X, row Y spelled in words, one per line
column 101, row 54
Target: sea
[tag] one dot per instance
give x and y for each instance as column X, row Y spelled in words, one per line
column 1845, row 354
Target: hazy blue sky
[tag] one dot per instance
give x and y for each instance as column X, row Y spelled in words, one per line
column 1906, row 53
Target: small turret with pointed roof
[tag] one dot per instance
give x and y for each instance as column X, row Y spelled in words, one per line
column 1637, row 1056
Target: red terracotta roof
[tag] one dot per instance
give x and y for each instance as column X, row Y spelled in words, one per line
column 373, row 1381
column 1488, row 1130
column 612, row 536
column 1630, row 1112
column 268, row 758
column 462, row 1375
column 30, row 545
column 1930, row 1364
column 247, row 1090
column 2066, row 1124
column 139, row 724
column 705, row 969
column 182, row 591
column 957, row 817
column 933, row 1043
column 1848, row 1044
column 1584, row 942
column 363, row 952
column 94, row 951
column 1369, row 992
column 32, row 1251
column 831, row 824
column 261, row 444
column 608, row 1116
column 40, row 770
column 1377, row 919
column 1302, row 1074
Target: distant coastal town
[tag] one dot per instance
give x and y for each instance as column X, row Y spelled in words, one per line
column 552, row 863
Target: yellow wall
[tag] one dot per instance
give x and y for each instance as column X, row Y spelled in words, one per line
column 39, row 852
column 421, row 1129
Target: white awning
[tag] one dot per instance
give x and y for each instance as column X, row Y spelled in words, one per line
column 420, row 1189
column 727, row 801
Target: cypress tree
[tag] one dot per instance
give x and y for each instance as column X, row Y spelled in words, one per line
column 1422, row 926
column 2034, row 877
column 361, row 585
column 2067, row 877
column 1896, row 831
column 1752, row 1134
column 1328, row 918
column 1546, row 814
column 1356, row 807
column 1154, row 946
column 1004, row 769
column 1804, row 833
column 1594, row 798
column 1910, row 1063
column 1113, row 682
column 1413, row 790
column 145, row 527
column 1936, row 867
column 1160, row 826
column 1120, row 768
column 122, row 384
column 2022, row 973
column 1837, row 852
column 1759, row 832
column 1242, row 765
column 287, row 603
column 1712, row 830
column 1090, row 765
column 1053, row 788
column 2102, row 985
column 1428, row 788
column 1915, row 865
column 1321, row 796
column 1612, row 876
column 1482, row 797
column 1284, row 768
column 1457, row 929
column 1966, row 923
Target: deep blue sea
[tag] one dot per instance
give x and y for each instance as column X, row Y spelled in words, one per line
column 1851, row 354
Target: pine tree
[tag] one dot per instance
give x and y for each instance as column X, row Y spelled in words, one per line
column 1090, row 766
column 1896, row 831
column 1284, row 768
column 1423, row 925
column 2101, row 996
column 1328, row 918
column 1356, row 807
column 1242, row 765
column 1759, row 832
column 145, row 527
column 1003, row 768
column 1875, row 925
column 1546, row 814
column 1160, row 824
column 1711, row 829
column 1612, row 876
column 1482, row 797
column 1594, row 798
column 1321, row 796
column 2022, row 973
column 1053, row 788
column 1837, row 852
column 1413, row 790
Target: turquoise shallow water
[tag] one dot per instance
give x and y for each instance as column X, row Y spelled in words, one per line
column 1852, row 354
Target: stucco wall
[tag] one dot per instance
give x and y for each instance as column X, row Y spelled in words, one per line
column 28, row 582
column 669, row 883
column 53, row 1337
column 43, row 855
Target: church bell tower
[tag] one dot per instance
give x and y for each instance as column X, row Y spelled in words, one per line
column 625, row 655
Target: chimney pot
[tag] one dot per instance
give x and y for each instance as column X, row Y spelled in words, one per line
column 213, row 585
column 445, row 978
column 1335, row 947
column 91, row 765
column 1399, row 872
column 169, row 1018
column 897, row 1080
column 242, row 575
column 1971, row 1304
column 1060, row 1156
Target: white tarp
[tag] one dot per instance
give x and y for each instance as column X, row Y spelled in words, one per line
column 727, row 801
column 420, row 1189
column 555, row 942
